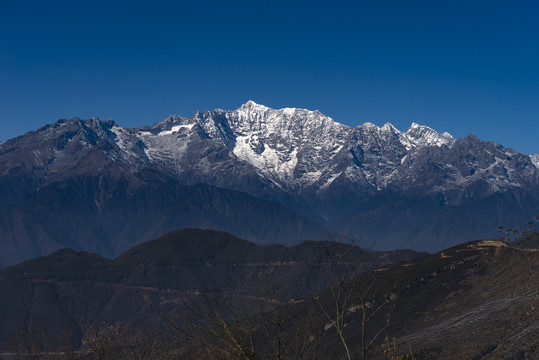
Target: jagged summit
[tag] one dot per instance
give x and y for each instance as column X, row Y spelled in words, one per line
column 251, row 105
column 256, row 119
column 421, row 135
column 291, row 148
column 389, row 127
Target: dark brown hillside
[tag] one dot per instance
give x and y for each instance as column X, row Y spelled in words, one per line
column 75, row 290
column 472, row 301
column 475, row 303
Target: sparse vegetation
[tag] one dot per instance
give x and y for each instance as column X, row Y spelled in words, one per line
column 390, row 348
column 347, row 310
column 268, row 324
column 524, row 240
column 349, row 291
column 271, row 327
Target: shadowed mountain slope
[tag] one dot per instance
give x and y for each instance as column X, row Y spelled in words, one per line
column 108, row 215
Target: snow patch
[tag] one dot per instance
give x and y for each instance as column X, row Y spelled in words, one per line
column 330, row 180
column 311, row 177
column 289, row 111
column 122, row 140
column 535, row 160
column 403, row 159
column 271, row 161
column 175, row 129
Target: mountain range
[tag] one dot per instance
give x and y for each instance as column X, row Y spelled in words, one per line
column 267, row 175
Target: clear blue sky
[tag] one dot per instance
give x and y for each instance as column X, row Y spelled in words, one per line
column 457, row 66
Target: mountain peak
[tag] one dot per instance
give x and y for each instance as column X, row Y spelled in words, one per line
column 389, row 127
column 251, row 105
column 414, row 127
column 421, row 135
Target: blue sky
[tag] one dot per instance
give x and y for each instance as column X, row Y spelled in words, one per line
column 457, row 66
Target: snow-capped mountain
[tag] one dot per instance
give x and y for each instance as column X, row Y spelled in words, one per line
column 293, row 148
column 305, row 152
column 396, row 188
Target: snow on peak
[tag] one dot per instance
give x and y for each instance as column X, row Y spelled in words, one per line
column 293, row 148
column 421, row 135
column 251, row 108
column 264, row 121
column 289, row 146
column 289, row 111
column 370, row 125
column 273, row 140
column 389, row 127
column 251, row 105
column 535, row 160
